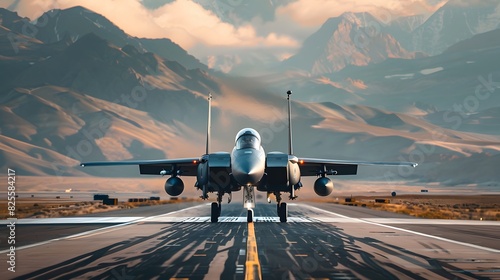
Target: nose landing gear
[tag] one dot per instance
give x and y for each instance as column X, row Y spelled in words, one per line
column 249, row 201
column 250, row 215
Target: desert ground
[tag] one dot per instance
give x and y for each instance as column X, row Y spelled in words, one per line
column 40, row 197
column 52, row 208
column 460, row 207
column 440, row 206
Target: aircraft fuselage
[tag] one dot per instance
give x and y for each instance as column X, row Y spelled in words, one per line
column 248, row 159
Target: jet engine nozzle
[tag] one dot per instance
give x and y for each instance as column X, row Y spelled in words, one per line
column 174, row 186
column 323, row 186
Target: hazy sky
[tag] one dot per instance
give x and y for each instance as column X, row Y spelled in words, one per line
column 226, row 24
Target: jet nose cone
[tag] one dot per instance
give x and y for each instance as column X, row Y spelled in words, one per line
column 247, row 173
column 252, row 171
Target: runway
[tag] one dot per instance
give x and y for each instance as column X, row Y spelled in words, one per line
column 321, row 241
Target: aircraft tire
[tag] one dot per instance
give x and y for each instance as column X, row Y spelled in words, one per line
column 283, row 212
column 250, row 215
column 214, row 213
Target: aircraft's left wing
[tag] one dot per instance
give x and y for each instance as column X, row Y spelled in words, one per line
column 315, row 166
column 183, row 166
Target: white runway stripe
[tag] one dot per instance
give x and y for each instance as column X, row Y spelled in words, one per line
column 229, row 220
column 157, row 219
column 234, row 219
column 75, row 220
column 432, row 222
column 411, row 221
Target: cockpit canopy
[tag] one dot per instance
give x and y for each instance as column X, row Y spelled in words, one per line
column 248, row 138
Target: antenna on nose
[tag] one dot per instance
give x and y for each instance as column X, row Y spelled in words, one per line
column 290, row 147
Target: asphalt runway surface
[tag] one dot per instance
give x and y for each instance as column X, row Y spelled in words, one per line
column 320, row 241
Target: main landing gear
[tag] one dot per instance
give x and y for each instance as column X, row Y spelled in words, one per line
column 283, row 212
column 215, row 213
column 216, row 207
column 281, row 208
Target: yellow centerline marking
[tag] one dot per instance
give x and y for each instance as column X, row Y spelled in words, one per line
column 252, row 265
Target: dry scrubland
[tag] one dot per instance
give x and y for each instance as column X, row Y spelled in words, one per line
column 53, row 209
column 460, row 207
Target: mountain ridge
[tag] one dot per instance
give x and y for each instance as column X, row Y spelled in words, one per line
column 78, row 21
column 94, row 100
column 454, row 22
column 350, row 39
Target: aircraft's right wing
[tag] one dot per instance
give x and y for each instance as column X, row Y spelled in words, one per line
column 185, row 166
column 314, row 166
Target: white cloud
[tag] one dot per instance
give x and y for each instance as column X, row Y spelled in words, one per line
column 205, row 27
column 129, row 15
column 316, row 12
column 183, row 21
column 203, row 33
column 470, row 3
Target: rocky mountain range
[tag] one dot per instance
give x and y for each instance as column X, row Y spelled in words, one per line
column 355, row 38
column 71, row 23
column 457, row 20
column 358, row 39
column 351, row 39
column 88, row 91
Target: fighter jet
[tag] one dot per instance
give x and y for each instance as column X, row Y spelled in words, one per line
column 248, row 167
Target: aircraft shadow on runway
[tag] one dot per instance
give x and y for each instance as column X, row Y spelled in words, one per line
column 190, row 250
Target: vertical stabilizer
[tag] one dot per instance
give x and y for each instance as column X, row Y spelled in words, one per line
column 290, row 145
column 209, row 123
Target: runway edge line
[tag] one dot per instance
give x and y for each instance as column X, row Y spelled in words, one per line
column 99, row 230
column 252, row 264
column 360, row 220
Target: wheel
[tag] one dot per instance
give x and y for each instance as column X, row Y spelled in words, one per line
column 250, row 215
column 283, row 212
column 214, row 214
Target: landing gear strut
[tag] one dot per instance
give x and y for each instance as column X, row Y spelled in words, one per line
column 249, row 201
column 283, row 212
column 250, row 215
column 216, row 208
column 281, row 208
column 215, row 212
